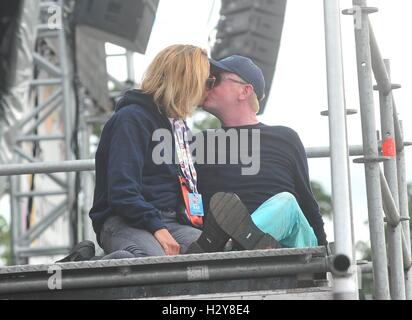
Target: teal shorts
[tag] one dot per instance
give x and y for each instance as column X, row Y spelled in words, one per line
column 282, row 218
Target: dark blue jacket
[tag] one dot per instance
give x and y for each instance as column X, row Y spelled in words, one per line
column 128, row 183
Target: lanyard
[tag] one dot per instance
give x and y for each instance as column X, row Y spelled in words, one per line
column 184, row 154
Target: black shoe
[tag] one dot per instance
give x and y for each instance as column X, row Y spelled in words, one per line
column 212, row 239
column 231, row 215
column 82, row 251
column 267, row 242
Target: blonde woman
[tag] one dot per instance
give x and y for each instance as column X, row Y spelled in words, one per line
column 136, row 201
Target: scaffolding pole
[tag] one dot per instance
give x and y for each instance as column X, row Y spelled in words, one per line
column 52, row 85
column 404, row 213
column 371, row 157
column 345, row 287
column 396, row 273
column 89, row 165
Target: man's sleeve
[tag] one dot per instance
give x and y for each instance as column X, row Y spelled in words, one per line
column 307, row 201
column 127, row 152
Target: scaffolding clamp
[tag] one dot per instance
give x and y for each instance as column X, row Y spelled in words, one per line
column 354, row 10
column 385, row 219
column 348, row 112
column 371, row 159
column 394, row 86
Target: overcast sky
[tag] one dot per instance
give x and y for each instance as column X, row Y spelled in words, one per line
column 299, row 89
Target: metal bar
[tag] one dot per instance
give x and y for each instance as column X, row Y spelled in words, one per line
column 47, row 33
column 88, row 164
column 345, row 287
column 301, row 255
column 118, row 83
column 130, row 66
column 85, row 229
column 155, row 274
column 47, row 167
column 398, row 131
column 378, row 66
column 366, row 267
column 43, row 27
column 404, row 213
column 373, row 188
column 391, row 210
column 40, row 193
column 384, row 84
column 68, row 106
column 40, row 252
column 355, row 150
column 114, row 55
column 405, row 252
column 46, row 65
column 43, row 117
column 39, row 138
column 56, row 179
column 14, row 218
column 46, row 82
column 34, row 232
column 396, row 275
column 52, row 99
column 324, row 152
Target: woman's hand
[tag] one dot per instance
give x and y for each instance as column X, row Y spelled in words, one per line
column 168, row 243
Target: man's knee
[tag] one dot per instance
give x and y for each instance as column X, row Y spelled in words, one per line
column 287, row 197
column 289, row 204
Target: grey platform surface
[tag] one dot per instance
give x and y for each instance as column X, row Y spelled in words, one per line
column 168, row 276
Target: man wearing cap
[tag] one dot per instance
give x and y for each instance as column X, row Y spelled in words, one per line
column 277, row 199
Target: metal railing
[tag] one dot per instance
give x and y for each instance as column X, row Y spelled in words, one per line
column 383, row 189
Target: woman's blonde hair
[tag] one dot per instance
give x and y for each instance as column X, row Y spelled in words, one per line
column 176, row 79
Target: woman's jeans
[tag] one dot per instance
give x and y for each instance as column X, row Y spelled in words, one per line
column 282, row 218
column 279, row 216
column 117, row 235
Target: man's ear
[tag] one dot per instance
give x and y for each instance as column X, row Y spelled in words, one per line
column 247, row 91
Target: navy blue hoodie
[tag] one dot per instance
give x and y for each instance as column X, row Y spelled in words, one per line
column 128, row 183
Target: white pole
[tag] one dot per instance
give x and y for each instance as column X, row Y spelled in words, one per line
column 344, row 287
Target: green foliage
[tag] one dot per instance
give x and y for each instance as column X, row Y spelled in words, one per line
column 324, row 200
column 203, row 120
column 5, row 252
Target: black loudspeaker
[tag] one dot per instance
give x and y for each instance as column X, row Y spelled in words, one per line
column 252, row 29
column 91, row 67
column 9, row 20
column 127, row 23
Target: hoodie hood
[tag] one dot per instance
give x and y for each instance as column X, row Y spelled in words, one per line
column 139, row 99
column 135, row 97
